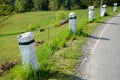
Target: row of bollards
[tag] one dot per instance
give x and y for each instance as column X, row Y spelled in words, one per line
column 102, row 11
column 27, row 42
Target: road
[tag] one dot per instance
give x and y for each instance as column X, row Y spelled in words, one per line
column 104, row 58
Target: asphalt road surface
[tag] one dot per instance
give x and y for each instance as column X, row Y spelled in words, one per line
column 104, row 58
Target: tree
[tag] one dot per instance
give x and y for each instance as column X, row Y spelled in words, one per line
column 53, row 4
column 76, row 4
column 69, row 4
column 96, row 2
column 7, row 6
column 37, row 5
column 19, row 6
column 41, row 5
column 45, row 5
column 23, row 5
column 28, row 5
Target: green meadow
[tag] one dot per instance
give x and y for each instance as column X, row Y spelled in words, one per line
column 58, row 50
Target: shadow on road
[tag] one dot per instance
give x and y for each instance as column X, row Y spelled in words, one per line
column 94, row 37
column 100, row 38
column 107, row 23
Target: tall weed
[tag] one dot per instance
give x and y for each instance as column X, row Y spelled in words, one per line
column 30, row 73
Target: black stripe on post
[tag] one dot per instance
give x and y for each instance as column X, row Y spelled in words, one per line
column 73, row 17
column 26, row 43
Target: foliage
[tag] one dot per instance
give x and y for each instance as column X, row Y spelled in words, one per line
column 23, row 5
column 60, row 15
column 41, row 5
column 5, row 7
column 8, row 6
column 63, row 4
column 53, row 5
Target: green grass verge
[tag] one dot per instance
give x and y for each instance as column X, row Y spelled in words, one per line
column 59, row 55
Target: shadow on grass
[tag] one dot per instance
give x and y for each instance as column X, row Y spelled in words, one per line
column 5, row 18
column 45, row 75
column 2, row 20
column 9, row 34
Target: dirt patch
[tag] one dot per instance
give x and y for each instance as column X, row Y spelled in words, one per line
column 7, row 66
column 39, row 43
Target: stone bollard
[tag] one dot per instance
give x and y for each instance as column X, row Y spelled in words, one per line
column 91, row 13
column 28, row 50
column 115, row 7
column 103, row 10
column 72, row 22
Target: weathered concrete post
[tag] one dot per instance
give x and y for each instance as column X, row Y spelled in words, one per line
column 91, row 13
column 115, row 7
column 28, row 50
column 103, row 10
column 72, row 22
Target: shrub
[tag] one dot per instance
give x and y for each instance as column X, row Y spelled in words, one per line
column 60, row 15
column 56, row 23
column 5, row 9
column 33, row 26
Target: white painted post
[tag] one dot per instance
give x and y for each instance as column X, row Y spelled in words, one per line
column 115, row 7
column 72, row 22
column 91, row 13
column 103, row 10
column 28, row 50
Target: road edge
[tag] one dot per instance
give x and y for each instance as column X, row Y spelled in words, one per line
column 89, row 48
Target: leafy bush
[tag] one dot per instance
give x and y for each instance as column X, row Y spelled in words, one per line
column 60, row 15
column 55, row 23
column 5, row 9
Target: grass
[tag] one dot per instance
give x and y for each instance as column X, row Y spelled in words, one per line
column 59, row 55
